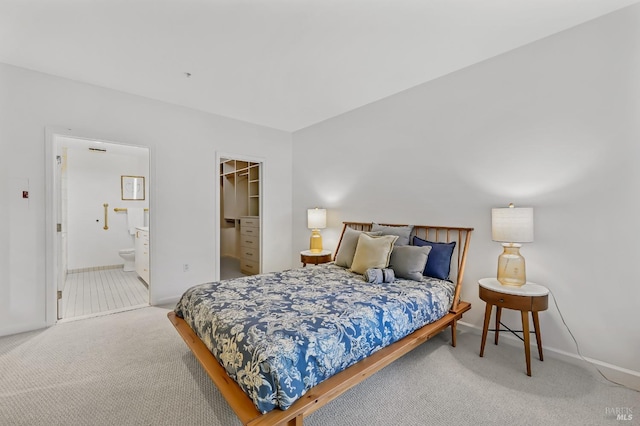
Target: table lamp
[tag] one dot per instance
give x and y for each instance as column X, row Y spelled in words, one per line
column 511, row 226
column 316, row 220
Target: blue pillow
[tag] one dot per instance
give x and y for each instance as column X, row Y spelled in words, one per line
column 439, row 260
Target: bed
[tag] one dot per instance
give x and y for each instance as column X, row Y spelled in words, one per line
column 281, row 345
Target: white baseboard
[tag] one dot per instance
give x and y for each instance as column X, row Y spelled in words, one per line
column 620, row 375
column 167, row 301
column 22, row 328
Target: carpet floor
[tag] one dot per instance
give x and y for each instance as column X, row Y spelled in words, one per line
column 133, row 368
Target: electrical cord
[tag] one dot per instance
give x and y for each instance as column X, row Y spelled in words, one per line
column 575, row 341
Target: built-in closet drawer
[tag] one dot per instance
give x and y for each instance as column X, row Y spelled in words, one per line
column 250, row 221
column 250, row 245
column 249, row 242
column 249, row 267
column 249, row 231
column 250, row 254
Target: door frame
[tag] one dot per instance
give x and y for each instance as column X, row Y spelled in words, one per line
column 52, row 192
column 218, row 217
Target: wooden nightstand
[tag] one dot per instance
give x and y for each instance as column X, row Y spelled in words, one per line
column 307, row 256
column 528, row 298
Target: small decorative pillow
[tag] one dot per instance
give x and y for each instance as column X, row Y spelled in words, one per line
column 439, row 261
column 372, row 252
column 347, row 248
column 403, row 232
column 377, row 275
column 409, row 261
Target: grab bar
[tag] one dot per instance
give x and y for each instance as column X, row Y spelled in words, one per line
column 120, row 209
column 106, row 216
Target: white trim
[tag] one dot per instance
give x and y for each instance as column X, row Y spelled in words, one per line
column 624, row 376
column 103, row 313
column 51, row 281
column 22, row 328
column 217, row 218
column 172, row 301
column 51, row 254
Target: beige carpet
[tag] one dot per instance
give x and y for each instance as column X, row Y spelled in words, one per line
column 133, row 369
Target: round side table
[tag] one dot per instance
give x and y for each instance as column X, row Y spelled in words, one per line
column 307, row 256
column 528, row 298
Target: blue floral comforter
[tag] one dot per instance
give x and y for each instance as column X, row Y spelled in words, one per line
column 279, row 334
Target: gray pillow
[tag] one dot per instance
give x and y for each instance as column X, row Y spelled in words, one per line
column 403, row 232
column 348, row 245
column 409, row 261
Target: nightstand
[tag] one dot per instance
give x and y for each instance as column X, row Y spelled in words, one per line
column 528, row 298
column 307, row 256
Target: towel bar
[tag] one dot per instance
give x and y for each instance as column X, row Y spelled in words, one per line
column 120, row 209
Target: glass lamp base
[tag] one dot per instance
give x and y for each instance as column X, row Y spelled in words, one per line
column 511, row 266
column 315, row 242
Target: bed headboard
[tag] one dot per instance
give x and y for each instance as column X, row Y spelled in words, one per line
column 440, row 234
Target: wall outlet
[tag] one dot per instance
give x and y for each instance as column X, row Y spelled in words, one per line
column 185, row 267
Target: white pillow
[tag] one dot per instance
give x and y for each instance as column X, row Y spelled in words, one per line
column 372, row 252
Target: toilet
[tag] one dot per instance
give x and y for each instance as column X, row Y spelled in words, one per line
column 129, row 256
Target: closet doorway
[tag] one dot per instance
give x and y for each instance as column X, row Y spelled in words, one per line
column 240, row 214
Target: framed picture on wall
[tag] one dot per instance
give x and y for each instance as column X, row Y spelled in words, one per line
column 132, row 187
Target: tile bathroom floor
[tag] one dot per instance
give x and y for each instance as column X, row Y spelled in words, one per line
column 100, row 291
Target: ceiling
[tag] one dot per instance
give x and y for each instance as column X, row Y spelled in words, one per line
column 285, row 64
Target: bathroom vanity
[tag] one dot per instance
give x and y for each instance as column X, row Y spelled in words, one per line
column 142, row 252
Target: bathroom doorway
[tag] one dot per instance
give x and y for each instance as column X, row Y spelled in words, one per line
column 100, row 192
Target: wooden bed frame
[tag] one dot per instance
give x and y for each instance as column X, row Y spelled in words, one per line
column 334, row 386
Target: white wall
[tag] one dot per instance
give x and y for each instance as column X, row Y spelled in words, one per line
column 183, row 176
column 93, row 179
column 553, row 125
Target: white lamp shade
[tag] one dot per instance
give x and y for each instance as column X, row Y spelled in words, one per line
column 316, row 218
column 512, row 224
